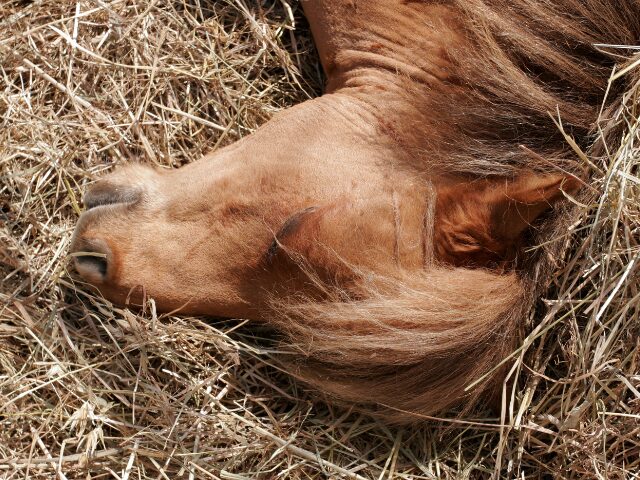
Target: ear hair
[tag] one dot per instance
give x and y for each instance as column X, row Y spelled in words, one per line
column 524, row 200
column 482, row 223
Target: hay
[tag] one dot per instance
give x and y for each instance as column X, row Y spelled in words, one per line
column 88, row 390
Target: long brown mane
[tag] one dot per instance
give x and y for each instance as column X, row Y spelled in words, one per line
column 536, row 74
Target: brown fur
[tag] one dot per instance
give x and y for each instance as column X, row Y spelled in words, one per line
column 387, row 242
column 406, row 345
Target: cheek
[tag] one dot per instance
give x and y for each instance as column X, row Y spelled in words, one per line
column 379, row 234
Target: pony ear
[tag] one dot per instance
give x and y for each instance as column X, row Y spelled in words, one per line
column 482, row 223
column 520, row 202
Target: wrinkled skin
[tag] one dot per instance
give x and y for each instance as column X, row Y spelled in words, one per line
column 325, row 180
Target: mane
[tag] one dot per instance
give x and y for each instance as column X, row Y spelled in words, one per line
column 526, row 68
column 403, row 346
column 531, row 75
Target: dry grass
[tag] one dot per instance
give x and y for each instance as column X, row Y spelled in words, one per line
column 92, row 391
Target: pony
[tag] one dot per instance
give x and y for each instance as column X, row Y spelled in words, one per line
column 384, row 229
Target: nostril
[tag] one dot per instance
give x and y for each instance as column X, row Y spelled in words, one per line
column 104, row 193
column 91, row 260
column 91, row 264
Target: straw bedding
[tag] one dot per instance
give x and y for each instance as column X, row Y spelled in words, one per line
column 93, row 391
